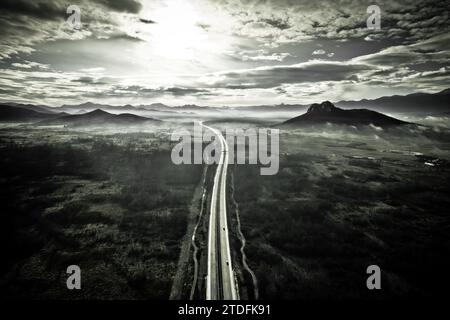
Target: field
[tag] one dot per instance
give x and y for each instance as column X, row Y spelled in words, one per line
column 345, row 199
column 114, row 204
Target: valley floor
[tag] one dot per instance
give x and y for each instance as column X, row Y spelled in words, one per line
column 115, row 204
column 342, row 202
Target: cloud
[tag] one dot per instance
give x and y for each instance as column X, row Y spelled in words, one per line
column 318, row 52
column 93, row 80
column 30, row 65
column 130, row 6
column 434, row 49
column 259, row 55
column 121, row 91
column 273, row 76
column 47, row 10
column 56, row 9
column 238, row 50
column 286, row 21
column 277, row 23
column 93, row 70
column 271, row 57
column 178, row 91
column 27, row 23
column 146, row 21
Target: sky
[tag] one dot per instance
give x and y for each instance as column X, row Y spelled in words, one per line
column 220, row 52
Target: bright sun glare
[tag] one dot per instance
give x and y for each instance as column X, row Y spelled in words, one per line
column 176, row 33
column 185, row 38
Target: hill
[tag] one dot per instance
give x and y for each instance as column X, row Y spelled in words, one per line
column 100, row 117
column 326, row 112
column 19, row 113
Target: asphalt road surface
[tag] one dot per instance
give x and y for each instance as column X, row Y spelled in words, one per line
column 220, row 282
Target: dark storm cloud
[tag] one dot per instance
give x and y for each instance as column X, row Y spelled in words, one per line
column 136, row 90
column 147, row 21
column 48, row 10
column 91, row 80
column 130, row 6
column 178, row 91
column 270, row 77
column 123, row 36
column 277, row 23
column 26, row 23
column 56, row 9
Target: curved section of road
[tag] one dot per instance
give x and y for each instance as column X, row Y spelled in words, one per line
column 220, row 280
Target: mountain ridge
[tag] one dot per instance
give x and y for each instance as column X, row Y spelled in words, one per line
column 19, row 113
column 423, row 103
column 326, row 112
column 98, row 117
column 420, row 102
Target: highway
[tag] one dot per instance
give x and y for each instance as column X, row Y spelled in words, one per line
column 220, row 280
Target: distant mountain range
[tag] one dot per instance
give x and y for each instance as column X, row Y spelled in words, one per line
column 160, row 107
column 437, row 104
column 99, row 117
column 91, row 106
column 423, row 103
column 33, row 107
column 26, row 113
column 326, row 112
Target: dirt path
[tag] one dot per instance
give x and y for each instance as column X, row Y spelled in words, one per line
column 193, row 241
column 242, row 239
column 181, row 278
